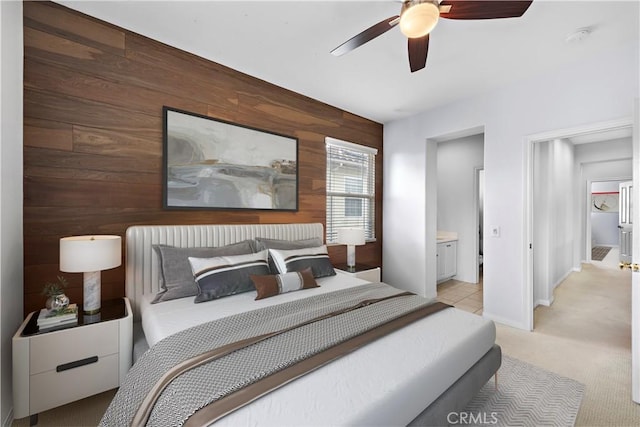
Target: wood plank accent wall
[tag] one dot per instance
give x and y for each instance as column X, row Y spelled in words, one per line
column 93, row 97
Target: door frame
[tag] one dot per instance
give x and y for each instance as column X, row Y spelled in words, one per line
column 477, row 170
column 529, row 141
column 635, row 275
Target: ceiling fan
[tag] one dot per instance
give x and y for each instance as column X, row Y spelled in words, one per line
column 418, row 17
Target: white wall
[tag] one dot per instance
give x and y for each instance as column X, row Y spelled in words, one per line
column 457, row 163
column 541, row 220
column 564, row 212
column 11, row 247
column 572, row 96
column 554, row 213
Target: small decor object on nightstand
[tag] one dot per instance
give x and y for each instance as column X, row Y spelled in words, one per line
column 56, row 318
column 55, row 292
column 351, row 237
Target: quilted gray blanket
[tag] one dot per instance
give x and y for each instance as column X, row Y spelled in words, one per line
column 300, row 330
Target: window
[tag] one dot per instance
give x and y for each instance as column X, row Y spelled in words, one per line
column 350, row 187
column 352, row 206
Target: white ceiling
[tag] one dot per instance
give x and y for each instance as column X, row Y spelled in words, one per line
column 288, row 43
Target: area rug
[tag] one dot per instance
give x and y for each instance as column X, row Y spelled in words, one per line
column 599, row 252
column 526, row 396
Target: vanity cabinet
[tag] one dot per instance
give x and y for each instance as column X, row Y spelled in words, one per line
column 447, row 260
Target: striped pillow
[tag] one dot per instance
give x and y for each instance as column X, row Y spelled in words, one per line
column 227, row 275
column 298, row 259
column 272, row 285
column 176, row 278
column 262, row 243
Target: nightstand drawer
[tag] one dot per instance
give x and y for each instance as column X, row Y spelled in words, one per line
column 51, row 389
column 57, row 348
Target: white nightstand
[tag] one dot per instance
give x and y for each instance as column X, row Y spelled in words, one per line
column 365, row 272
column 54, row 368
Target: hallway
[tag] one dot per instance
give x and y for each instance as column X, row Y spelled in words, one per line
column 585, row 335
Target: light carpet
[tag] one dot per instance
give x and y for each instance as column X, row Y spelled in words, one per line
column 526, row 396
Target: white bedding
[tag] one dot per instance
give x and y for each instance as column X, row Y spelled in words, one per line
column 389, row 382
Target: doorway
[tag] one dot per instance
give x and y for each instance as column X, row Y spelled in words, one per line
column 603, row 215
column 455, row 200
column 459, row 161
column 586, row 164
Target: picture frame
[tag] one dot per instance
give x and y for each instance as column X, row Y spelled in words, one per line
column 209, row 163
column 605, row 202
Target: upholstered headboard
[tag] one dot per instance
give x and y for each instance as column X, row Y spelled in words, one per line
column 142, row 262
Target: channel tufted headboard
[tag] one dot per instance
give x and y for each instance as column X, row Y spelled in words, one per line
column 142, row 262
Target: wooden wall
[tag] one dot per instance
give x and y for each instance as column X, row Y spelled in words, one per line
column 93, row 97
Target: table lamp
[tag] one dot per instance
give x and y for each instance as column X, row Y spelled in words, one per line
column 351, row 237
column 90, row 255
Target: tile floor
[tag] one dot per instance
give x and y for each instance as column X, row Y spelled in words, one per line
column 468, row 296
column 462, row 295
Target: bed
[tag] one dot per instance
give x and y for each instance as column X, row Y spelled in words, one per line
column 413, row 376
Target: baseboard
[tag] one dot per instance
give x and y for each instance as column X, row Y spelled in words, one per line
column 562, row 279
column 545, row 302
column 548, row 301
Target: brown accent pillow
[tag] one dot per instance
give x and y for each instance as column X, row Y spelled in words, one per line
column 272, row 285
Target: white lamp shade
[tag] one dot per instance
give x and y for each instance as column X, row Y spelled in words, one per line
column 351, row 236
column 79, row 254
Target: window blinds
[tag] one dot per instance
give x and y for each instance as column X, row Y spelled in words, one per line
column 350, row 188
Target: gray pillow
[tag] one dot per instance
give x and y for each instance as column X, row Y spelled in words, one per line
column 176, row 277
column 262, row 243
column 222, row 276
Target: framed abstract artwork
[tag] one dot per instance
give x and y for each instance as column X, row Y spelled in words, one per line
column 213, row 164
column 605, row 201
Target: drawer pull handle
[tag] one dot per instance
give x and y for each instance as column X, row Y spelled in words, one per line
column 76, row 364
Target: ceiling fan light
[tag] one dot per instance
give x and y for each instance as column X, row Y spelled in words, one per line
column 418, row 17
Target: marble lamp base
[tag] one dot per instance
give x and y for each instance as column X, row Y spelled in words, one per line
column 91, row 292
column 351, row 256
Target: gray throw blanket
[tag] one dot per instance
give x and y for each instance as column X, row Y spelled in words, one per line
column 212, row 381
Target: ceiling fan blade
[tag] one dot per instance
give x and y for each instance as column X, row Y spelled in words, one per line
column 418, row 48
column 365, row 36
column 479, row 9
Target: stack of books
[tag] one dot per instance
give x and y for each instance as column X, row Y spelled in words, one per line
column 49, row 319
